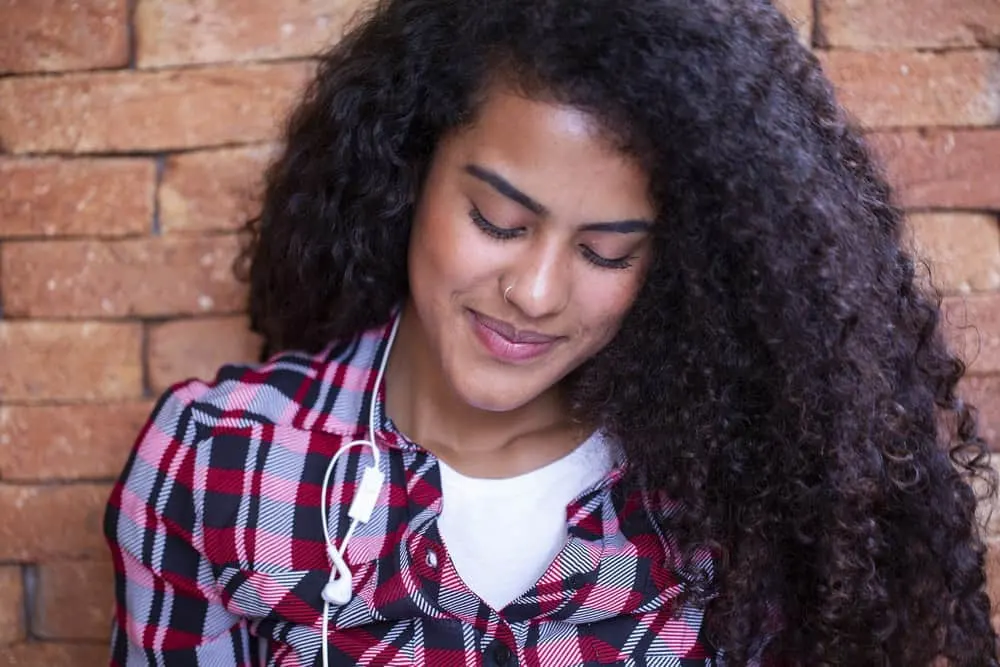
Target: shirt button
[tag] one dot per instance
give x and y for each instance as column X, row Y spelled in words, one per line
column 499, row 654
column 431, row 558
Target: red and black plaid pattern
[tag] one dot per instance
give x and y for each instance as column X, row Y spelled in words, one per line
column 219, row 556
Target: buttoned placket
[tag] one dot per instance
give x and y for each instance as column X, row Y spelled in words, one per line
column 427, row 554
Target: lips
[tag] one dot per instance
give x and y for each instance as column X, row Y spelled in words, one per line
column 511, row 334
column 506, row 344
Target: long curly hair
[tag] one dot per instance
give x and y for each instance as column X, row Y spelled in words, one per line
column 782, row 373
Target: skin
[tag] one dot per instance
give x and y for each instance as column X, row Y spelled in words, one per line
column 530, row 197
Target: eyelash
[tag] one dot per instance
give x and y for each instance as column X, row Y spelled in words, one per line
column 499, row 233
column 604, row 262
column 504, row 234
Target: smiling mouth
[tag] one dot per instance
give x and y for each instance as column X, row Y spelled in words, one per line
column 513, row 335
column 507, row 343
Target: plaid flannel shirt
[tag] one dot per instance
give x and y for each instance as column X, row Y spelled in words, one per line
column 219, row 554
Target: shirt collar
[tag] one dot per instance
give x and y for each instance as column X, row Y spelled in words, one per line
column 344, row 385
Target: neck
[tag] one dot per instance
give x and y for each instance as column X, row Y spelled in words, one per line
column 479, row 443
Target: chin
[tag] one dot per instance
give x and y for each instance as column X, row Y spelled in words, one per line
column 486, row 396
column 494, row 403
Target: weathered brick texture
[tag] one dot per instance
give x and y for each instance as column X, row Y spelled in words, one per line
column 81, row 197
column 983, row 392
column 72, row 600
column 54, row 35
column 152, row 277
column 133, row 139
column 973, row 324
column 961, row 249
column 211, row 190
column 903, row 24
column 908, row 88
column 993, row 573
column 800, row 13
column 53, row 654
column 943, row 168
column 197, row 348
column 39, row 523
column 67, row 442
column 12, row 625
column 210, row 31
column 147, row 111
column 65, row 361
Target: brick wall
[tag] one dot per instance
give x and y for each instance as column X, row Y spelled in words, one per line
column 132, row 136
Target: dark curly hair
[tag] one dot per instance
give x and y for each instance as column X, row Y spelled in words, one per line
column 782, row 372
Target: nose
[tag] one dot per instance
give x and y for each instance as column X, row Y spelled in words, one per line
column 541, row 283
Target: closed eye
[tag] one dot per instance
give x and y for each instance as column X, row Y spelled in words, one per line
column 506, row 234
column 605, row 262
column 487, row 227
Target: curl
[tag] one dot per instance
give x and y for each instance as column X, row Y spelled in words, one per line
column 781, row 373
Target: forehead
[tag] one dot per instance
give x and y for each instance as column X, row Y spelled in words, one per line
column 554, row 152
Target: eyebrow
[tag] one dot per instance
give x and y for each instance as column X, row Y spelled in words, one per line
column 619, row 226
column 505, row 188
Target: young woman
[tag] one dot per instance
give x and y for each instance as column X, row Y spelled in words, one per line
column 591, row 341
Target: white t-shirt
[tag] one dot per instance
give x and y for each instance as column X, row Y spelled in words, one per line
column 501, row 534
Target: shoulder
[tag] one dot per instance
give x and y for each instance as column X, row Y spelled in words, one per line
column 309, row 391
column 299, row 391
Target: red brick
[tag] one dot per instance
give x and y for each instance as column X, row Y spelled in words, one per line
column 963, row 249
column 12, row 626
column 133, row 277
column 49, row 197
column 197, row 348
column 993, row 579
column 988, row 516
column 983, row 392
column 131, row 111
column 211, row 190
column 207, row 31
column 74, row 600
column 800, row 13
column 43, row 442
column 65, row 361
column 52, row 654
column 52, row 35
column 902, row 24
column 972, row 324
column 943, row 168
column 61, row 521
column 905, row 88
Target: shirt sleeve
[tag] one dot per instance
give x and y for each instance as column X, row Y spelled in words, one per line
column 168, row 610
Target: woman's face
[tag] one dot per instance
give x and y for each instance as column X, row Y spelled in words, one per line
column 530, row 241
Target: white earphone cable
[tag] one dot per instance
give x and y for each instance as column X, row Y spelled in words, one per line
column 338, row 588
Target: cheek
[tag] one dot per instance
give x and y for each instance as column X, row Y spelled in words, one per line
column 605, row 304
column 447, row 253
